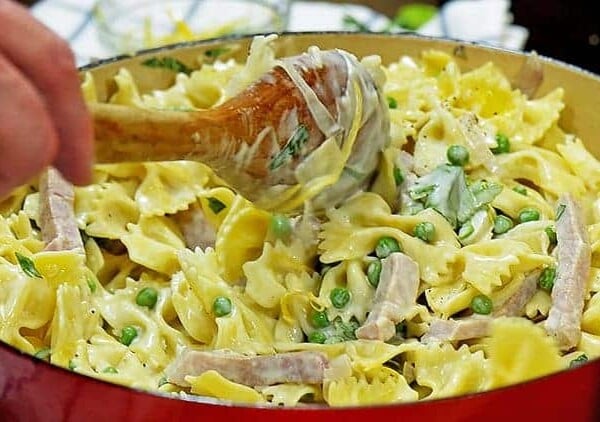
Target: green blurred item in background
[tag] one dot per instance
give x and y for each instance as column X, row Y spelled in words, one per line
column 413, row 16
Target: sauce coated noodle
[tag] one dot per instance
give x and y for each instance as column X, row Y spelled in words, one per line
column 438, row 280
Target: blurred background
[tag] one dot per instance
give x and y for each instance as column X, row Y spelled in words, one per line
column 566, row 30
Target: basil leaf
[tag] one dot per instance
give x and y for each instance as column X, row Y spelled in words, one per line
column 291, row 148
column 445, row 190
column 27, row 266
column 215, row 205
column 169, row 63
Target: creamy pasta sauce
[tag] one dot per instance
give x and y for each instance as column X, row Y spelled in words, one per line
column 467, row 263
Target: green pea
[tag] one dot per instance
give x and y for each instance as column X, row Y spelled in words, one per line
column 128, row 334
column 374, row 272
column 319, row 319
column 551, row 233
column 520, row 189
column 392, row 103
column 578, row 361
column 280, row 226
column 339, row 297
column 386, row 246
column 502, row 224
column 502, row 144
column 72, row 365
column 147, row 297
column 222, row 306
column 162, row 382
column 529, row 214
column 110, row 370
column 482, row 304
column 424, row 231
column 547, row 277
column 398, row 176
column 317, row 337
column 457, row 155
column 43, row 353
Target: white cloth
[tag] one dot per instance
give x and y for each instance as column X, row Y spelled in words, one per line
column 474, row 20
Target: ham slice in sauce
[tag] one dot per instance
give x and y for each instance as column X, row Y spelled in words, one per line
column 395, row 296
column 570, row 286
column 57, row 216
column 441, row 330
column 196, row 229
column 304, row 367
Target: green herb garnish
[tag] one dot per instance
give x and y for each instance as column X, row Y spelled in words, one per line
column 291, row 148
column 502, row 144
column 91, row 282
column 215, row 205
column 398, row 176
column 392, row 103
column 213, row 53
column 27, row 266
column 560, row 210
column 520, row 189
column 169, row 63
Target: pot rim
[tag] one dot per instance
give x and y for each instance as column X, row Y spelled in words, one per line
column 5, row 347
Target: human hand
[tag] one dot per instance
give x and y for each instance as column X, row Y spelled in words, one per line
column 43, row 117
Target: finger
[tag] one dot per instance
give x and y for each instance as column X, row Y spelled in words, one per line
column 47, row 61
column 28, row 141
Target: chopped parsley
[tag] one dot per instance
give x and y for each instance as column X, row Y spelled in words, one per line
column 27, row 266
column 291, row 148
column 215, row 205
column 169, row 63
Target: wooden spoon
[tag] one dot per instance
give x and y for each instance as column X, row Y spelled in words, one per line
column 254, row 140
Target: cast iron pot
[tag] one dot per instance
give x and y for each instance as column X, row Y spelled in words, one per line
column 33, row 390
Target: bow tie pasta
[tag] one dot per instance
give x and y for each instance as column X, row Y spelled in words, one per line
column 468, row 264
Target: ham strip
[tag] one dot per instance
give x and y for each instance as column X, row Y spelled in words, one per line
column 395, row 296
column 514, row 305
column 295, row 367
column 570, row 286
column 196, row 229
column 441, row 330
column 57, row 217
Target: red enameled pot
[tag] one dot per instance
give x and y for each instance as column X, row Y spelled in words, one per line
column 33, row 390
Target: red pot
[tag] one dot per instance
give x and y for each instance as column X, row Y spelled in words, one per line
column 33, row 390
